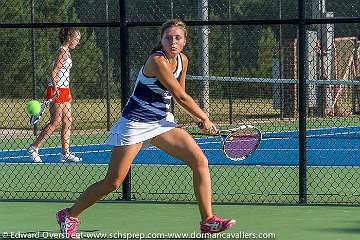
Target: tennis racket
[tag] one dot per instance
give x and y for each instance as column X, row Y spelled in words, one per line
column 238, row 143
column 35, row 119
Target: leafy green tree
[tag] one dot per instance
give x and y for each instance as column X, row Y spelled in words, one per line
column 267, row 50
column 88, row 76
column 15, row 78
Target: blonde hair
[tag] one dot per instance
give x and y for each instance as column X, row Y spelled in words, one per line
column 170, row 23
column 66, row 33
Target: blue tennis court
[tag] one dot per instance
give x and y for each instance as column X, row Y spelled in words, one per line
column 325, row 147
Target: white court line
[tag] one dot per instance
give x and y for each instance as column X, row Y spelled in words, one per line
column 45, row 148
column 24, row 149
column 77, row 152
column 313, row 135
column 316, row 129
column 55, row 154
column 210, row 149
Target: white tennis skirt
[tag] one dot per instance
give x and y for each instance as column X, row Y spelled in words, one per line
column 127, row 132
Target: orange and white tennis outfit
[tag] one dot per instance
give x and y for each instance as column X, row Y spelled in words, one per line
column 62, row 83
column 147, row 113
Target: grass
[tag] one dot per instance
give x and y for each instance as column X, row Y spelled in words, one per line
column 49, row 181
column 92, row 114
column 10, row 142
column 87, row 114
column 231, row 184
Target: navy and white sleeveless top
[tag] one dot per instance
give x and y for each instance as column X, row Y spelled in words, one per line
column 150, row 100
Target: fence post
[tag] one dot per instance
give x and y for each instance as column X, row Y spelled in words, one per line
column 204, row 99
column 33, row 58
column 230, row 67
column 302, row 105
column 124, row 66
column 107, row 62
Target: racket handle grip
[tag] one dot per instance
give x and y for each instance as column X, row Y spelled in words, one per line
column 200, row 125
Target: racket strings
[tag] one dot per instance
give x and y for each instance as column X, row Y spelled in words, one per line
column 239, row 144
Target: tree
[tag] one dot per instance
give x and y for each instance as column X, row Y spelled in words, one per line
column 267, row 49
column 15, row 78
column 88, row 75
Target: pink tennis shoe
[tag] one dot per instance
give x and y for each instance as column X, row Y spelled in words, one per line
column 216, row 225
column 68, row 225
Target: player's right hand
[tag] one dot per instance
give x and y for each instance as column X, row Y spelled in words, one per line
column 207, row 127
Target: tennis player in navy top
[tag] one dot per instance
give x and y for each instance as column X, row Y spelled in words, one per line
column 146, row 120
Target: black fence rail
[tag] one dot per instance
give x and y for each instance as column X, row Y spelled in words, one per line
column 289, row 68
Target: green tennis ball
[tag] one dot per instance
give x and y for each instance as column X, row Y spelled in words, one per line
column 33, row 108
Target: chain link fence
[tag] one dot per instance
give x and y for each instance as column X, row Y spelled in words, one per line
column 241, row 71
